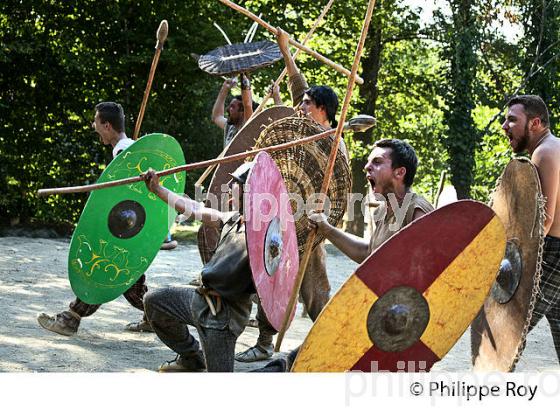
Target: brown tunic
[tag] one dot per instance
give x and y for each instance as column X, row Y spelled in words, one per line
column 385, row 224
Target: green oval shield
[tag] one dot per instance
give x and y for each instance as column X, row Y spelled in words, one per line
column 121, row 228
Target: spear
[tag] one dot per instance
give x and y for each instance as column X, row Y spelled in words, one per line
column 285, row 70
column 209, row 170
column 161, row 36
column 327, row 178
column 357, row 124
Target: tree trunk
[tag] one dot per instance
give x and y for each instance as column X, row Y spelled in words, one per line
column 462, row 135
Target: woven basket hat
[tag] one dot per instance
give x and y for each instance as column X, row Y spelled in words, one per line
column 303, row 169
column 240, row 58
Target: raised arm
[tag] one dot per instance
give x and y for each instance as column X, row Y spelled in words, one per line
column 218, row 110
column 296, row 82
column 283, row 43
column 182, row 205
column 246, row 97
column 275, row 91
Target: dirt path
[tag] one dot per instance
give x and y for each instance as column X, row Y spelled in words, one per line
column 33, row 279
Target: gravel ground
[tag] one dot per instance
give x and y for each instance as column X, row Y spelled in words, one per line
column 33, row 279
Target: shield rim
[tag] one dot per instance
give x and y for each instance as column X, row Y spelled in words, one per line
column 245, row 138
column 210, row 62
column 374, row 257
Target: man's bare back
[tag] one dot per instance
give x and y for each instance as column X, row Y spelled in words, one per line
column 546, row 158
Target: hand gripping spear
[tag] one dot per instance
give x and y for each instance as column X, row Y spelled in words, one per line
column 161, row 36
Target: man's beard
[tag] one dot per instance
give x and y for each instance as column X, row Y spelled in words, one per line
column 523, row 141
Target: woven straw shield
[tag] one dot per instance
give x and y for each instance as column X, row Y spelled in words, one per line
column 303, row 169
column 240, row 58
column 243, row 141
column 498, row 333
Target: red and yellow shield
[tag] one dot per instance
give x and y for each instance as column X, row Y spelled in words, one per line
column 408, row 303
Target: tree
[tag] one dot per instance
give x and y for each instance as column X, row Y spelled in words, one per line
column 462, row 136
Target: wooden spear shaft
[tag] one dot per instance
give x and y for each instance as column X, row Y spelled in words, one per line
column 161, row 36
column 440, row 187
column 309, row 51
column 296, row 54
column 181, row 168
column 209, row 170
column 327, row 179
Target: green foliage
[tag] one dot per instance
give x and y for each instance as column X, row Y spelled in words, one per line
column 541, row 18
column 462, row 137
column 491, row 157
column 438, row 86
column 410, row 108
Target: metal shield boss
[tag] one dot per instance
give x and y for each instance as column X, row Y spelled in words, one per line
column 271, row 238
column 121, row 228
column 498, row 333
column 409, row 302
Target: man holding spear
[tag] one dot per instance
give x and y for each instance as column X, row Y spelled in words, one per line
column 318, row 103
column 390, row 172
column 109, row 124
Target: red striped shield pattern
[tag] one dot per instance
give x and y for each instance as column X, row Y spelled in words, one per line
column 408, row 303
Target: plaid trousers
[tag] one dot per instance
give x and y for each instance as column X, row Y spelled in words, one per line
column 134, row 296
column 548, row 301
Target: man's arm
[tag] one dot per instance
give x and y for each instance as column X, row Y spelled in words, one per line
column 183, row 205
column 548, row 168
column 218, row 110
column 296, row 82
column 246, row 97
column 353, row 246
column 275, row 91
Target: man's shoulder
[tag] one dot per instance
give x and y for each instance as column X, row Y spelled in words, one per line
column 419, row 202
column 123, row 144
column 547, row 152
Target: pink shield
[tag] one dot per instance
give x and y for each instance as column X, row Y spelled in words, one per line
column 271, row 238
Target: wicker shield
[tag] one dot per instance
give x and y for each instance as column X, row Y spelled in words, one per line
column 499, row 331
column 240, row 58
column 121, row 228
column 271, row 238
column 243, row 141
column 409, row 301
column 303, row 169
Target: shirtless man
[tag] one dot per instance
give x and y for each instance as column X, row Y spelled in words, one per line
column 527, row 126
